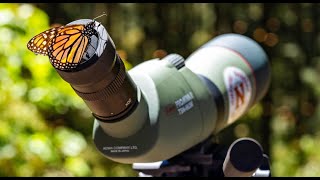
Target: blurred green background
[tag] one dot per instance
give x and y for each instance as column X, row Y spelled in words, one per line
column 45, row 128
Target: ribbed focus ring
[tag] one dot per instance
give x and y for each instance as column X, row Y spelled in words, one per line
column 112, row 88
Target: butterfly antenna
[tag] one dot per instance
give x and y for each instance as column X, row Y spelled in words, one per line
column 104, row 14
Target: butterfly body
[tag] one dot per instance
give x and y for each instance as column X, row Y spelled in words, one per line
column 64, row 45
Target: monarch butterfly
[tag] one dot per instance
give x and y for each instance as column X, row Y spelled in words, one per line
column 65, row 45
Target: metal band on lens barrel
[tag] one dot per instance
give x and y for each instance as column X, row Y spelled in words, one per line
column 102, row 81
column 110, row 89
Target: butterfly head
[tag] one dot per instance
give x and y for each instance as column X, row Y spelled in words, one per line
column 89, row 28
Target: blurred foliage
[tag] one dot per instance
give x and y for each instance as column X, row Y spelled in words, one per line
column 45, row 128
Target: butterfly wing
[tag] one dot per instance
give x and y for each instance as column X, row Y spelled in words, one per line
column 68, row 47
column 65, row 45
column 40, row 43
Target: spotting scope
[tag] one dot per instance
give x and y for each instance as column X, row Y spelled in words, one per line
column 163, row 107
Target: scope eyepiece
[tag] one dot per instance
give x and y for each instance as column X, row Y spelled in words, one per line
column 101, row 79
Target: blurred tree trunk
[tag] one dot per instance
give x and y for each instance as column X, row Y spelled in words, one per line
column 265, row 124
column 224, row 21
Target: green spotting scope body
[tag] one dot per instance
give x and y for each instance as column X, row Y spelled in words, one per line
column 163, row 107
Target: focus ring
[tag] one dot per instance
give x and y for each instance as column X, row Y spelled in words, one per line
column 112, row 88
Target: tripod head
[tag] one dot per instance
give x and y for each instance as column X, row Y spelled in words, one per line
column 243, row 158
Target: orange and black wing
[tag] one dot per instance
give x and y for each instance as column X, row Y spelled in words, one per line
column 40, row 43
column 67, row 48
